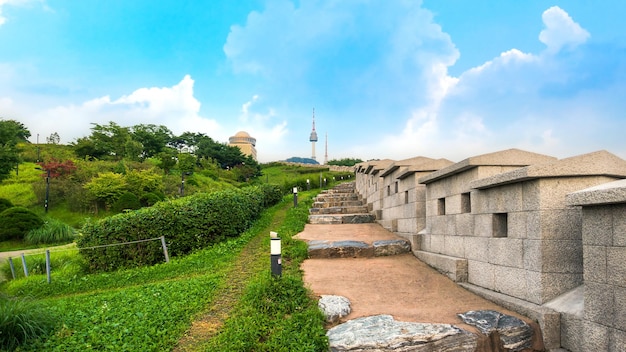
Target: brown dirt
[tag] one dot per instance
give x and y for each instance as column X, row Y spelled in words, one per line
column 401, row 285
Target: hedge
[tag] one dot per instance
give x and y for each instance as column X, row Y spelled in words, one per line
column 188, row 224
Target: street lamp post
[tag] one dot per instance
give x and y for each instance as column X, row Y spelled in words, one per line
column 45, row 204
column 182, row 183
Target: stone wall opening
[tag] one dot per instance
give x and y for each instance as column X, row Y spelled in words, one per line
column 500, row 225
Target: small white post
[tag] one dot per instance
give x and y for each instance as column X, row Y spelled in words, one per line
column 275, row 251
column 295, row 197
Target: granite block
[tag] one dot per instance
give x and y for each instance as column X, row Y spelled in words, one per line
column 481, row 274
column 597, row 226
column 477, row 248
column 594, row 259
column 598, row 303
column 596, row 337
column 616, row 266
column 506, row 252
column 454, row 246
column 619, row 225
column 465, row 224
column 619, row 310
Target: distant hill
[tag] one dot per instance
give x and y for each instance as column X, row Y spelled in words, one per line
column 302, row 160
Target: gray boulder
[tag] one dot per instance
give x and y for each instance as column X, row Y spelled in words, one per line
column 383, row 333
column 515, row 334
column 334, row 307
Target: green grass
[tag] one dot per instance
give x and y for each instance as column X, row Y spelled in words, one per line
column 150, row 308
column 22, row 320
column 52, row 231
column 277, row 313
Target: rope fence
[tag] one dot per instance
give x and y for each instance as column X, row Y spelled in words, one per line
column 48, row 251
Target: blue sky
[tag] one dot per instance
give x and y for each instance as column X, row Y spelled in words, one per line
column 388, row 79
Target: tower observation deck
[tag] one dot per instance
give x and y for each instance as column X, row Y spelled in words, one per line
column 313, row 137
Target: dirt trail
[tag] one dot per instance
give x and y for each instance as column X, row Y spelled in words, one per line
column 400, row 285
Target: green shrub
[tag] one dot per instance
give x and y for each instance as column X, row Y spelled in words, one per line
column 16, row 222
column 52, row 231
column 21, row 320
column 126, row 201
column 5, row 204
column 150, row 199
column 188, row 224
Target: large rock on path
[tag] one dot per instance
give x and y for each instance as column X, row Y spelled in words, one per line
column 383, row 333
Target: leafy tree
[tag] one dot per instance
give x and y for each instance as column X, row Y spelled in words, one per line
column 53, row 139
column 345, row 162
column 105, row 189
column 167, row 160
column 58, row 168
column 86, row 148
column 153, row 138
column 11, row 133
column 186, row 162
column 141, row 182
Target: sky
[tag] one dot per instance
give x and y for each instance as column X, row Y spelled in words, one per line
column 386, row 79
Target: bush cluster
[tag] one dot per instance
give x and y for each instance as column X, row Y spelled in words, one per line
column 16, row 222
column 188, row 224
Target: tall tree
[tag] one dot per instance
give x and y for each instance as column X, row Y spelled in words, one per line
column 11, row 132
column 153, row 138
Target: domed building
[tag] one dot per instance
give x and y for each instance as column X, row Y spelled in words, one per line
column 244, row 142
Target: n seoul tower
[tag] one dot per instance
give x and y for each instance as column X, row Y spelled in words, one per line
column 313, row 137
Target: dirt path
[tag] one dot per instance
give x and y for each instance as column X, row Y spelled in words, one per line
column 252, row 259
column 399, row 285
column 14, row 254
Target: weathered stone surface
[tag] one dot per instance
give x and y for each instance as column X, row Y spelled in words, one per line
column 334, row 307
column 339, row 249
column 515, row 334
column 391, row 247
column 342, row 219
column 383, row 333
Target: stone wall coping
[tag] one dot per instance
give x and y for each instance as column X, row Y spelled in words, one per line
column 418, row 160
column 509, row 157
column 429, row 166
column 600, row 163
column 374, row 166
column 607, row 193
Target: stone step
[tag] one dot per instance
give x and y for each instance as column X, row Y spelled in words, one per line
column 342, row 219
column 343, row 197
column 357, row 249
column 339, row 190
column 343, row 203
column 339, row 210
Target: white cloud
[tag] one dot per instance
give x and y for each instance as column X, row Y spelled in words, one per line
column 174, row 107
column 561, row 31
column 534, row 101
column 4, row 3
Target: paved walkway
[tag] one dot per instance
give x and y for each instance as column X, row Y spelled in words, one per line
column 399, row 285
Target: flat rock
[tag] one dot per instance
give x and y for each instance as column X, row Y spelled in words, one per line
column 383, row 333
column 334, row 307
column 515, row 334
column 391, row 247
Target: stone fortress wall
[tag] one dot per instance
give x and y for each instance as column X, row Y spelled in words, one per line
column 539, row 235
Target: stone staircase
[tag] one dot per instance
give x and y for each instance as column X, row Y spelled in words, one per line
column 340, row 205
